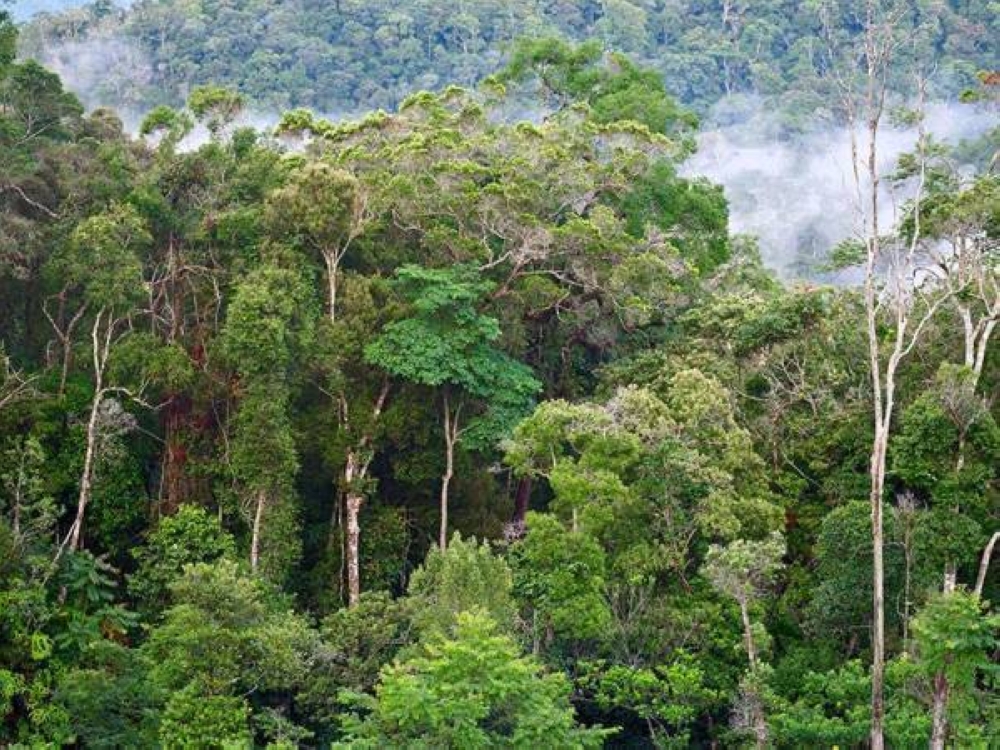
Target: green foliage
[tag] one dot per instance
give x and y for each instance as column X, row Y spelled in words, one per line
column 270, row 323
column 227, row 635
column 172, row 126
column 102, row 258
column 615, row 88
column 108, row 699
column 8, row 39
column 843, row 557
column 89, row 612
column 954, row 638
column 745, row 569
column 668, row 697
column 373, row 54
column 211, row 721
column 559, row 579
column 448, row 342
column 467, row 576
column 355, row 644
column 473, row 689
column 702, row 433
column 217, row 107
column 190, row 536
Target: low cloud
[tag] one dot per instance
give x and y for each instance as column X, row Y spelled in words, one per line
column 797, row 193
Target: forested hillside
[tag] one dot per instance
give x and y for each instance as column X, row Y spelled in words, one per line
column 467, row 422
column 352, row 55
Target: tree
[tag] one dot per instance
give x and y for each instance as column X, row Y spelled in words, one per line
column 901, row 299
column 324, row 209
column 447, row 344
column 216, row 106
column 615, row 88
column 268, row 325
column 745, row 570
column 954, row 638
column 190, row 536
column 466, row 576
column 225, row 648
column 473, row 689
column 101, row 264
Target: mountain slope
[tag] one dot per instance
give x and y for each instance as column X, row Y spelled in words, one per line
column 360, row 54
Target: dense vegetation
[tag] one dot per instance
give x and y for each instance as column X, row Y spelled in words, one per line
column 353, row 55
column 439, row 428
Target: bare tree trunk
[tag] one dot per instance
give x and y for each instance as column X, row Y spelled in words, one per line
column 939, row 715
column 332, row 260
column 87, row 475
column 353, row 528
column 984, row 564
column 878, row 590
column 450, row 436
column 356, row 468
column 258, row 518
column 354, row 501
column 748, row 634
column 757, row 708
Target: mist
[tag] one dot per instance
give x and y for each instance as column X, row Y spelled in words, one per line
column 797, row 194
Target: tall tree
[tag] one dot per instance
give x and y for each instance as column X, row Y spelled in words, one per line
column 447, row 344
column 102, row 269
column 895, row 294
column 269, row 325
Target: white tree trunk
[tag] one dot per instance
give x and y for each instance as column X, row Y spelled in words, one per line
column 354, row 501
column 258, row 518
column 450, row 438
column 100, row 356
column 332, row 260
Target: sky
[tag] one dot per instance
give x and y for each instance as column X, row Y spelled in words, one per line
column 23, row 9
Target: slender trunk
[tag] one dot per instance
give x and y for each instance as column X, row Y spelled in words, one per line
column 984, row 564
column 748, row 634
column 939, row 715
column 332, row 260
column 258, row 518
column 873, row 100
column 878, row 591
column 880, row 442
column 355, row 471
column 67, row 356
column 354, row 501
column 450, row 434
column 757, row 708
column 87, row 475
column 89, row 457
